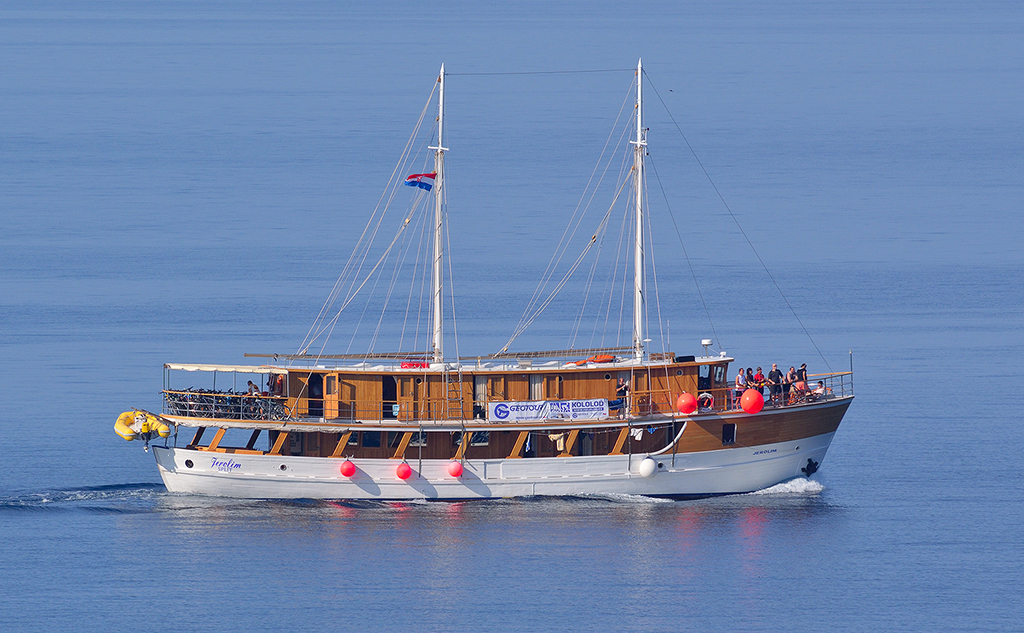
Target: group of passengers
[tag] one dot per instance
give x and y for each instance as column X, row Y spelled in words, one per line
column 782, row 388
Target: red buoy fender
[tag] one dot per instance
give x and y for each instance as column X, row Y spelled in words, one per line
column 686, row 403
column 752, row 401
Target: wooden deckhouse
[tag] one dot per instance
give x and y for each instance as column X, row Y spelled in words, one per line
column 387, row 411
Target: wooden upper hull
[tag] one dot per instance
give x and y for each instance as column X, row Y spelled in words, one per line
column 768, row 448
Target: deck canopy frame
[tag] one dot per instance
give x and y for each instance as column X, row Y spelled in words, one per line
column 237, row 369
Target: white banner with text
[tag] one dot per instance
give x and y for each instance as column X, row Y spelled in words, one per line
column 592, row 409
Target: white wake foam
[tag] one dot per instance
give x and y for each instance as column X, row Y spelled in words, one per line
column 95, row 493
column 798, row 486
column 619, row 497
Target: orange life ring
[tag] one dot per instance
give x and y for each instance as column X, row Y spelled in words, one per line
column 706, row 401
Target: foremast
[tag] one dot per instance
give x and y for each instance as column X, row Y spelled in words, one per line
column 436, row 276
column 639, row 149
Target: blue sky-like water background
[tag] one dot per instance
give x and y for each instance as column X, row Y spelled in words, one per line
column 182, row 182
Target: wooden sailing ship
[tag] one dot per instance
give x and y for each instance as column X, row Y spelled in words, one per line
column 397, row 426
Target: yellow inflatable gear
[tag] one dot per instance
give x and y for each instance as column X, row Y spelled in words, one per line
column 133, row 424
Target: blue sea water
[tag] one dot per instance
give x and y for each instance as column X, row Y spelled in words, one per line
column 182, row 182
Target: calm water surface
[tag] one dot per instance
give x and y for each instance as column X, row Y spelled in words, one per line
column 179, row 183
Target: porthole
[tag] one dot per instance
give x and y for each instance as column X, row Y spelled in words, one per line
column 284, row 466
column 419, row 381
column 679, row 372
column 188, row 463
column 559, row 379
column 607, row 376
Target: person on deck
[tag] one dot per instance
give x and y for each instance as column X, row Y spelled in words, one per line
column 787, row 383
column 760, row 381
column 775, row 383
column 741, row 386
column 801, row 379
column 622, row 395
column 254, row 390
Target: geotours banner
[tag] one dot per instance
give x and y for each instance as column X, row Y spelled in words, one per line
column 592, row 409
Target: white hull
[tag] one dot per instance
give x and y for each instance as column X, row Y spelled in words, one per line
column 726, row 471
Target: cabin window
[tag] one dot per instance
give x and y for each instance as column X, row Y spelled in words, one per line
column 719, row 374
column 418, row 439
column 389, row 398
column 353, row 440
column 331, row 385
column 536, row 387
column 476, row 438
column 480, row 438
column 479, row 397
column 704, row 377
column 316, row 395
column 394, row 438
column 371, row 439
column 728, row 434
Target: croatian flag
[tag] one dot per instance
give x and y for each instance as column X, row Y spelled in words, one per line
column 423, row 181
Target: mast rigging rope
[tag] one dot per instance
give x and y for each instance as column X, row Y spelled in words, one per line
column 736, row 220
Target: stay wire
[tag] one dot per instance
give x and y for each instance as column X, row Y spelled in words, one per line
column 578, row 214
column 738, row 226
column 589, row 284
column 686, row 255
column 654, row 274
column 359, row 243
column 318, row 327
column 540, row 308
column 412, row 281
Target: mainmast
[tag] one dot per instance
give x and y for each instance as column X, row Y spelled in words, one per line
column 638, row 247
column 436, row 280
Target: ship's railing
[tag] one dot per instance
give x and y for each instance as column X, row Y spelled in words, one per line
column 203, row 403
column 653, row 401
column 835, row 383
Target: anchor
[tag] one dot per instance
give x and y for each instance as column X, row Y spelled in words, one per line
column 810, row 468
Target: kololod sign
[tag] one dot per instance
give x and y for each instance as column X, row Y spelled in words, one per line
column 547, row 410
